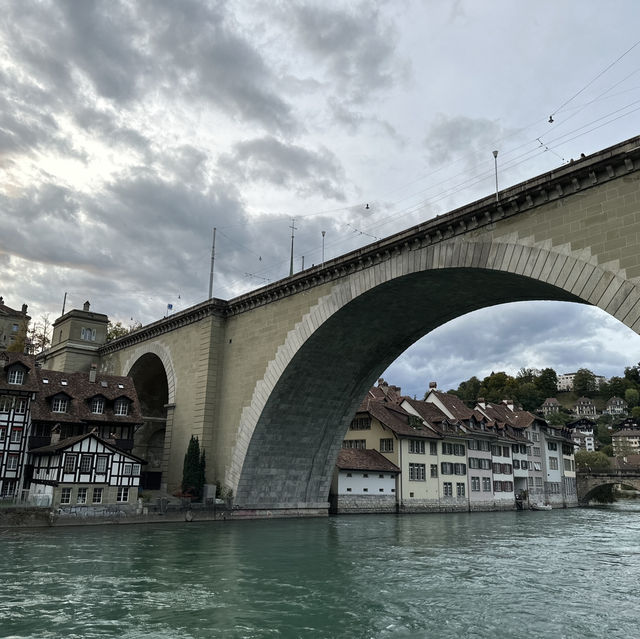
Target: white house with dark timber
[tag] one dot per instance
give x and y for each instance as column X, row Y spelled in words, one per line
column 84, row 471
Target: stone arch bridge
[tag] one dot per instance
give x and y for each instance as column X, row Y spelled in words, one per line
column 269, row 381
column 587, row 482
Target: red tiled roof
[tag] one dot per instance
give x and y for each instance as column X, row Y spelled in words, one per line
column 81, row 391
column 369, row 459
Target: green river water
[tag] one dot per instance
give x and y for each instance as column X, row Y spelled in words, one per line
column 565, row 573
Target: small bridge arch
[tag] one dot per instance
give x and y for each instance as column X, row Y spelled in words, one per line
column 587, row 482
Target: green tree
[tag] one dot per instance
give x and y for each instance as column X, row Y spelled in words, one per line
column 635, row 412
column 632, row 374
column 193, row 470
column 631, row 396
column 529, row 396
column 586, row 460
column 584, row 383
column 467, row 391
column 547, row 383
column 560, row 418
column 116, row 330
column 617, row 386
column 607, row 450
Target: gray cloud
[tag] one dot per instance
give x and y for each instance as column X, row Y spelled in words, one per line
column 450, row 138
column 287, row 166
column 355, row 45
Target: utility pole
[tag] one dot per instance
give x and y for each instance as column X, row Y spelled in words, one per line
column 64, row 302
column 213, row 257
column 293, row 228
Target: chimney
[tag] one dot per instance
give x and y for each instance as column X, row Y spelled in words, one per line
column 92, row 373
column 86, row 306
column 24, row 309
column 481, row 402
column 433, row 385
column 1, row 299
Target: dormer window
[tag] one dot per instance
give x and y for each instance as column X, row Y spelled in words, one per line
column 97, row 405
column 16, row 376
column 59, row 404
column 121, row 406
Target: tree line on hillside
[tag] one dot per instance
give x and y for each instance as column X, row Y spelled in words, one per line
column 530, row 387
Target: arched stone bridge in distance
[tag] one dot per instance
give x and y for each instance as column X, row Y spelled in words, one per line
column 588, row 481
column 269, row 381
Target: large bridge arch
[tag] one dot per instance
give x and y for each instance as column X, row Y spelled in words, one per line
column 290, row 433
column 268, row 380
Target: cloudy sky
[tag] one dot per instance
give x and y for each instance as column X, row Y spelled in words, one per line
column 128, row 130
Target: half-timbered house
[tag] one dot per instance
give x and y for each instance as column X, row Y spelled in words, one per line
column 18, row 386
column 84, row 470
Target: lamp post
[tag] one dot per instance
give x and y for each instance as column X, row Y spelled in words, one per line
column 495, row 162
column 323, row 232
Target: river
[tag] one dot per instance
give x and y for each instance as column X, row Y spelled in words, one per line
column 565, row 573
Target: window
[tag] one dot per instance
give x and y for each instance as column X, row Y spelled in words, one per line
column 497, row 468
column 434, row 470
column 85, row 463
column 536, row 437
column 361, row 423
column 486, row 485
column 416, row 446
column 552, row 446
column 536, row 466
column 16, row 376
column 88, row 334
column 82, row 496
column 14, row 328
column 523, row 464
column 121, row 407
column 553, row 463
column 101, row 464
column 507, row 469
column 516, row 464
column 447, row 448
column 460, row 469
column 70, row 463
column 506, row 452
column 433, row 448
column 21, row 406
column 97, row 495
column 59, row 405
column 459, row 450
column 126, row 470
column 97, row 405
column 446, row 468
column 360, row 444
column 497, row 486
column 472, row 444
column 123, row 494
column 3, row 432
column 507, row 486
column 460, row 489
column 448, row 489
column 16, row 435
column 12, row 462
column 386, row 445
column 65, row 496
column 6, row 403
column 474, row 462
column 417, row 472
column 475, row 484
column 536, row 451
column 568, row 464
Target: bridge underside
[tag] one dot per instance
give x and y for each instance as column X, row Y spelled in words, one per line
column 588, row 487
column 292, row 453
